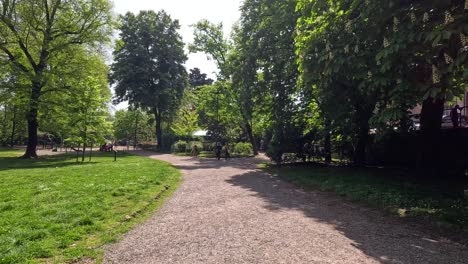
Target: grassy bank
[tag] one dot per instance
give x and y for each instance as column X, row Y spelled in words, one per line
column 389, row 190
column 56, row 210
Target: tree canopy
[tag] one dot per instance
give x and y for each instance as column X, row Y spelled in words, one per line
column 148, row 70
column 36, row 35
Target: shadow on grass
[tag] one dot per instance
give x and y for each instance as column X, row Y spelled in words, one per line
column 57, row 161
column 15, row 163
column 385, row 238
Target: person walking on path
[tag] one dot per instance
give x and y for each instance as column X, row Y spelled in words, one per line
column 195, row 150
column 455, row 116
column 227, row 155
column 218, row 150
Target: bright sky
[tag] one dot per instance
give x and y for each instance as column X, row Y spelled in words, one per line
column 189, row 12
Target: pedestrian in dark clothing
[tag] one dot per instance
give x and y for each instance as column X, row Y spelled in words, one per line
column 455, row 116
column 218, row 151
column 195, row 150
column 227, row 154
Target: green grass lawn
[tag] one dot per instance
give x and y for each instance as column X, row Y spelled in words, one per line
column 383, row 189
column 57, row 210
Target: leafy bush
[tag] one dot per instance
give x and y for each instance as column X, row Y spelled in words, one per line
column 180, row 146
column 275, row 150
column 243, row 148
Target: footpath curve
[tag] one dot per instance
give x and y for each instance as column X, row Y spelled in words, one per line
column 232, row 212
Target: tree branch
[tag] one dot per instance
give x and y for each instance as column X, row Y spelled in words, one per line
column 13, row 59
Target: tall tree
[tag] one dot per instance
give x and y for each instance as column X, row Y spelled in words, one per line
column 196, row 78
column 366, row 58
column 338, row 66
column 80, row 95
column 245, row 83
column 148, row 70
column 267, row 46
column 209, row 38
column 34, row 32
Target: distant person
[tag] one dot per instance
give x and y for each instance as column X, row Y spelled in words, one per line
column 455, row 116
column 227, row 154
column 195, row 151
column 218, row 151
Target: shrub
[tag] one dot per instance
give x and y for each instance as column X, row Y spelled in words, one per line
column 180, row 146
column 243, row 148
column 275, row 150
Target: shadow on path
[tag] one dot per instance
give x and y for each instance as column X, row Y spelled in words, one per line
column 385, row 238
column 332, row 222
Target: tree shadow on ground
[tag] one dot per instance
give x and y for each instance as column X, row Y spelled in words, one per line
column 15, row 163
column 385, row 238
column 54, row 161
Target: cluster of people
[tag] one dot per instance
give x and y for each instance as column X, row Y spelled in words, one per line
column 106, row 147
column 219, row 150
column 222, row 150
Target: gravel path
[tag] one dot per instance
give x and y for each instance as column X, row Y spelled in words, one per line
column 231, row 212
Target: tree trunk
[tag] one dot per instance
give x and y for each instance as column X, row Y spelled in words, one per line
column 135, row 132
column 431, row 115
column 158, row 118
column 32, row 122
column 360, row 151
column 13, row 128
column 85, row 134
column 84, row 152
column 363, row 116
column 431, row 123
column 327, row 145
column 249, row 131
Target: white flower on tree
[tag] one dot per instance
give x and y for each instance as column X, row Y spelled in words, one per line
column 396, row 22
column 425, row 17
column 386, row 43
column 349, row 26
column 448, row 18
column 448, row 59
column 463, row 38
column 413, row 17
column 435, row 75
